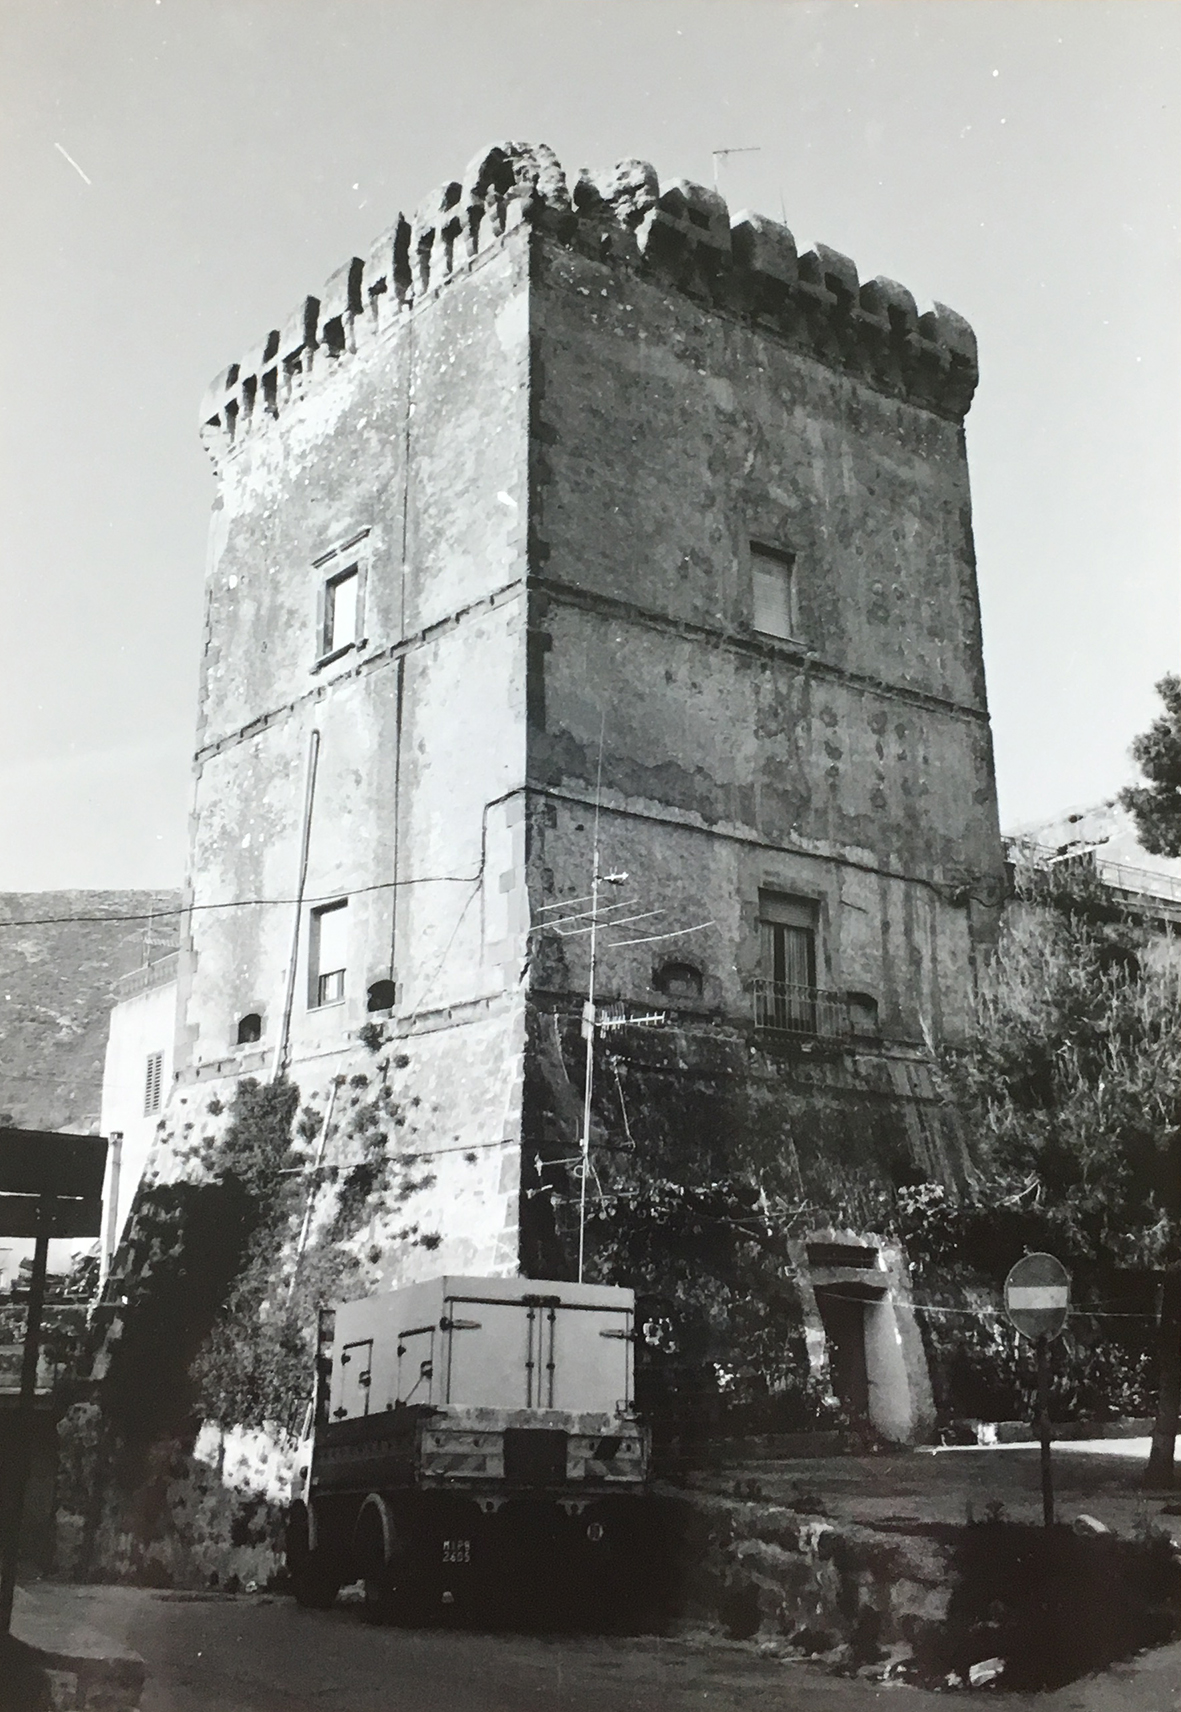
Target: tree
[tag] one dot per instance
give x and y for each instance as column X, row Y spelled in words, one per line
column 1072, row 1082
column 1157, row 805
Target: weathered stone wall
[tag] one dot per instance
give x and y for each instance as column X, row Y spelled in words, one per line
column 853, row 765
column 407, row 450
column 675, row 421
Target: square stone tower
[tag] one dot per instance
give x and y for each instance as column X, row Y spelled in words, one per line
column 580, row 506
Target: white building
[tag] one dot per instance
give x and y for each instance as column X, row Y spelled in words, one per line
column 1103, row 839
column 137, row 1075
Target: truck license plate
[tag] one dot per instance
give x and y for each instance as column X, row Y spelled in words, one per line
column 457, row 1551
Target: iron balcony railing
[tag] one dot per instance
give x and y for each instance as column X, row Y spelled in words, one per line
column 1146, row 881
column 781, row 1007
column 1121, row 876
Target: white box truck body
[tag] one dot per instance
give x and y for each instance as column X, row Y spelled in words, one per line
column 466, row 1429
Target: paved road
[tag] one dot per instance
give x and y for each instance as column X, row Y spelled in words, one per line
column 260, row 1654
column 266, row 1655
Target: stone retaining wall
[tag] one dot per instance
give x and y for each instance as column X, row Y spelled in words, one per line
column 853, row 1594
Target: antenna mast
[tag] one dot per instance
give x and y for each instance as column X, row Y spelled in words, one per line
column 598, row 878
column 588, row 1033
column 613, row 1016
column 588, row 1013
column 723, row 155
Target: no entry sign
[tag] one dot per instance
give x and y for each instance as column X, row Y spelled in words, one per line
column 1037, row 1296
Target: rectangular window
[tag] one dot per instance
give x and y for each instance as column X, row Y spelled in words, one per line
column 786, row 991
column 341, row 610
column 327, row 954
column 772, row 592
column 153, row 1083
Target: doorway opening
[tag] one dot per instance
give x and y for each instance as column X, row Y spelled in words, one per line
column 862, row 1340
column 843, row 1317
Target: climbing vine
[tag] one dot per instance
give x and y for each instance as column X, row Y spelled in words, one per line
column 256, row 1367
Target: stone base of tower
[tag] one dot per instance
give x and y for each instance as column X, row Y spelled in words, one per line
column 743, row 1189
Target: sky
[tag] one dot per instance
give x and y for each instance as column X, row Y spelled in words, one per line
column 175, row 175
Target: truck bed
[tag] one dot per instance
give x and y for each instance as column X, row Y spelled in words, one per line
column 480, row 1451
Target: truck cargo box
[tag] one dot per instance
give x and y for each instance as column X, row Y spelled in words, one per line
column 489, row 1343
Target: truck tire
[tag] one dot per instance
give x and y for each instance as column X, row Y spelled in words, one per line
column 388, row 1565
column 313, row 1582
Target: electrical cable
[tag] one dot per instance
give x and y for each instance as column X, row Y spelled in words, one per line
column 247, row 903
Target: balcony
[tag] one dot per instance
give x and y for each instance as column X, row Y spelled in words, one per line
column 781, row 1008
column 157, row 974
column 1152, row 892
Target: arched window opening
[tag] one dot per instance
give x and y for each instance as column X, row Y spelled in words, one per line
column 249, row 1028
column 678, row 980
column 382, row 995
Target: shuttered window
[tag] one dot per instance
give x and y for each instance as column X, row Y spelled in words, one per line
column 787, row 959
column 153, row 1083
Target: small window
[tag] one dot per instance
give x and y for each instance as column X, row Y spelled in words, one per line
column 249, row 1028
column 153, row 1083
column 772, row 592
column 341, row 611
column 327, row 954
column 382, row 996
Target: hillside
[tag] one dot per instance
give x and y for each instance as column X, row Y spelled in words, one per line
column 57, row 970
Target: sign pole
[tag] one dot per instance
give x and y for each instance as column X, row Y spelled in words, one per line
column 114, row 1161
column 1043, row 1428
column 18, row 1468
column 1037, row 1301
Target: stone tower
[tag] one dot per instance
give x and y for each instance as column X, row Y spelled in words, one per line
column 578, row 499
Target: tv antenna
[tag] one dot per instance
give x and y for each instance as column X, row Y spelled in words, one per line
column 723, row 155
column 602, row 916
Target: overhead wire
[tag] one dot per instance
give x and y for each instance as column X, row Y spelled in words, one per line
column 244, row 903
column 651, row 938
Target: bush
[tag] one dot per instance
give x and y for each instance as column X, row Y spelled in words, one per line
column 1055, row 1605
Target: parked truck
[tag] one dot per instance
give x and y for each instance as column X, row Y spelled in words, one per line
column 474, row 1442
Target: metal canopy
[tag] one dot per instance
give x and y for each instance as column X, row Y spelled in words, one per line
column 38, row 1162
column 20, row 1215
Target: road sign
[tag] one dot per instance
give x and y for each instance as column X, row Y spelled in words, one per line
column 1037, row 1296
column 51, row 1184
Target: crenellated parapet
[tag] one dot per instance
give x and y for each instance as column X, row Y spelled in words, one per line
column 678, row 232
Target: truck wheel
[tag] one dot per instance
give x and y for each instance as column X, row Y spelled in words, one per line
column 314, row 1585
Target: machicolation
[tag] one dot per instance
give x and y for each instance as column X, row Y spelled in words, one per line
column 679, row 233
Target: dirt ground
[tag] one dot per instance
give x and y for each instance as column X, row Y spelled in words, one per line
column 1095, row 1477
